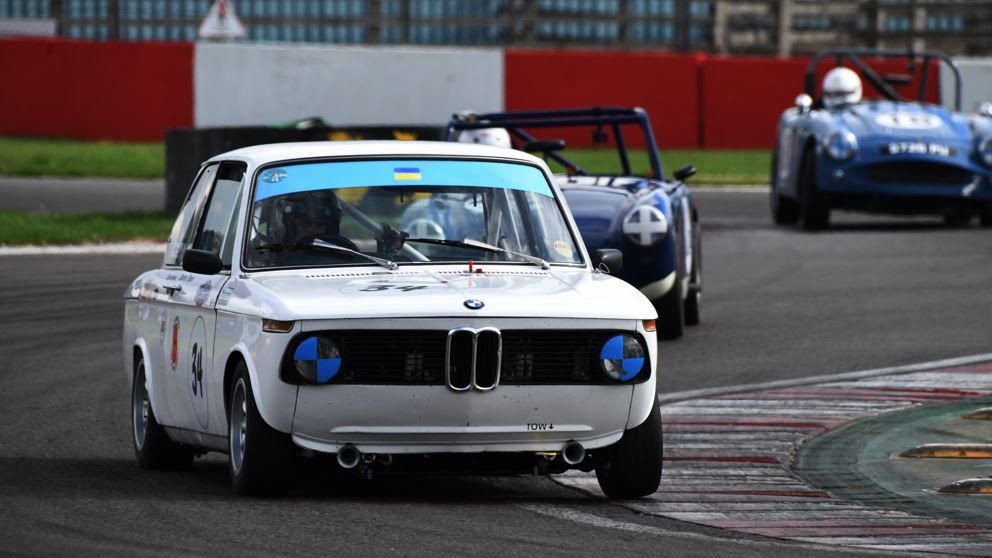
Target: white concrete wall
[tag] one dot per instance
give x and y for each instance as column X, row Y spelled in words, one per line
column 246, row 84
column 976, row 83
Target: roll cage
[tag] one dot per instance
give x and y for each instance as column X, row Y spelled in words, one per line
column 517, row 122
column 856, row 56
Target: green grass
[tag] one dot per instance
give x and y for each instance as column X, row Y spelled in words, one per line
column 18, row 228
column 40, row 157
column 48, row 157
column 713, row 166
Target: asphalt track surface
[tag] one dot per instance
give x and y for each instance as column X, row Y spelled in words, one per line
column 778, row 304
column 80, row 195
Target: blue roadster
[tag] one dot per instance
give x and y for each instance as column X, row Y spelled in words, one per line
column 890, row 155
column 651, row 219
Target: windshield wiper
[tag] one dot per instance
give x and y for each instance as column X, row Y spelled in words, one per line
column 319, row 244
column 469, row 243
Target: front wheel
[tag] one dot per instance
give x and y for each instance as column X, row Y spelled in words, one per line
column 632, row 467
column 814, row 208
column 260, row 458
column 152, row 446
column 671, row 321
column 785, row 210
column 985, row 215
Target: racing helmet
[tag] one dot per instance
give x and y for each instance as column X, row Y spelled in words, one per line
column 497, row 137
column 841, row 86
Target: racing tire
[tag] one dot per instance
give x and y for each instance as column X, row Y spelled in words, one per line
column 693, row 300
column 631, row 468
column 785, row 211
column 670, row 308
column 260, row 458
column 985, row 216
column 152, row 446
column 814, row 208
column 958, row 218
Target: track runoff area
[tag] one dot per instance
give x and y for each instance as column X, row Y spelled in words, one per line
column 840, row 462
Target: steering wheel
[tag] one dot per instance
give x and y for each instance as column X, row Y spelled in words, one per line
column 425, row 228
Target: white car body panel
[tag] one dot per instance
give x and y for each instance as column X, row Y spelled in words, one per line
column 380, row 418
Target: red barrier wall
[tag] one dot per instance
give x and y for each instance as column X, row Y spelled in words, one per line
column 95, row 90
column 743, row 97
column 663, row 84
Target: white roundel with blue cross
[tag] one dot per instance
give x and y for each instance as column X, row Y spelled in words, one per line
column 317, row 359
column 622, row 357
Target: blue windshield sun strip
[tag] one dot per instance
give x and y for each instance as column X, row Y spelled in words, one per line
column 289, row 179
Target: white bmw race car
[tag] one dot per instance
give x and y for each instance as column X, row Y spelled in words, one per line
column 292, row 315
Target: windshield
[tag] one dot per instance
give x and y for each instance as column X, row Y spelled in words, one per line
column 322, row 213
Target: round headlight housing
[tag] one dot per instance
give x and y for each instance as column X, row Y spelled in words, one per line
column 645, row 225
column 317, row 359
column 985, row 150
column 622, row 357
column 841, row 145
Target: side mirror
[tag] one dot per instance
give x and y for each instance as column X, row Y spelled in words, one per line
column 608, row 260
column 202, row 262
column 985, row 109
column 804, row 103
column 685, row 173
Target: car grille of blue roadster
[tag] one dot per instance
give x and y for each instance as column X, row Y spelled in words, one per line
column 508, row 357
column 912, row 172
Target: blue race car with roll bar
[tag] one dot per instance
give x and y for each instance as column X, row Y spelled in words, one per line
column 887, row 155
column 650, row 218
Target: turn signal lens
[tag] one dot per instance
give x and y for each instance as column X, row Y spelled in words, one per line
column 649, row 325
column 276, row 326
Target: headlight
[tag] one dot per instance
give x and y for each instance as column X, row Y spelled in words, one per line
column 622, row 357
column 985, row 150
column 317, row 359
column 841, row 145
column 645, row 225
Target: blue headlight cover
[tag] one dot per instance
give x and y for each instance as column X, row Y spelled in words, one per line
column 622, row 357
column 317, row 359
column 985, row 150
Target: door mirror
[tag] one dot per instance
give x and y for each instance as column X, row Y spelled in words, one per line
column 804, row 103
column 985, row 109
column 202, row 262
column 684, row 173
column 608, row 260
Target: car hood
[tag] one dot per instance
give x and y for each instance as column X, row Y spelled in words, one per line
column 435, row 291
column 903, row 121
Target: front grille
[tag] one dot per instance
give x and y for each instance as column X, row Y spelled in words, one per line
column 461, row 359
column 915, row 172
column 553, row 357
column 390, row 357
column 516, row 357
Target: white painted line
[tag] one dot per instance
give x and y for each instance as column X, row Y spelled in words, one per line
column 85, row 249
column 575, row 516
column 824, row 378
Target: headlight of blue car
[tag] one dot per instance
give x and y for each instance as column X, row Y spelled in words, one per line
column 985, row 150
column 841, row 145
column 645, row 225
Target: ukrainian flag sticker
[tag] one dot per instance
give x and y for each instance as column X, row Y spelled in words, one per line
column 406, row 173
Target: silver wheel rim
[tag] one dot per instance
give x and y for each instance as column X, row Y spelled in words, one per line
column 140, row 407
column 238, row 426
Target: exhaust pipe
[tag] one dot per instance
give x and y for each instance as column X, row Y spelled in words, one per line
column 349, row 457
column 573, row 453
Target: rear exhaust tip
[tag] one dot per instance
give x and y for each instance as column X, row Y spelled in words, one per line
column 573, row 453
column 349, row 457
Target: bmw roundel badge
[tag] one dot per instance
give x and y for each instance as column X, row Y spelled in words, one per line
column 473, row 304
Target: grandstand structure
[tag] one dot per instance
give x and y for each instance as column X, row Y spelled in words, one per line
column 774, row 27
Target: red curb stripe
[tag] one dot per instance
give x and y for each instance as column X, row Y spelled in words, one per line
column 759, row 424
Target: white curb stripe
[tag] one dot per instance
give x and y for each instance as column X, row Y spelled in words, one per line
column 85, row 249
column 824, row 378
